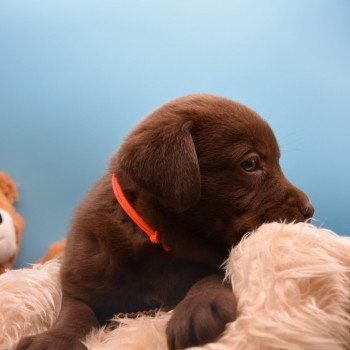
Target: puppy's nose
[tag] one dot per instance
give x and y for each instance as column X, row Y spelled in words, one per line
column 307, row 209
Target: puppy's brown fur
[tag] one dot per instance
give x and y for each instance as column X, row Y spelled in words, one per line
column 202, row 171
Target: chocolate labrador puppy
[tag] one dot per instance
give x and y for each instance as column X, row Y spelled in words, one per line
column 194, row 176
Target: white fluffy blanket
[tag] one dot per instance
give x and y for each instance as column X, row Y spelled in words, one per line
column 292, row 282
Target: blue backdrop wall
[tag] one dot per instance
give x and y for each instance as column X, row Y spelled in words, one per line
column 75, row 76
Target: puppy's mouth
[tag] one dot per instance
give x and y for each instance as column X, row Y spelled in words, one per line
column 288, row 215
column 251, row 223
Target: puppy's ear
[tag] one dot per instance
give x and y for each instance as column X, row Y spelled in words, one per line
column 164, row 162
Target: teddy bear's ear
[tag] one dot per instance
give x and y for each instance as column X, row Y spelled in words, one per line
column 8, row 187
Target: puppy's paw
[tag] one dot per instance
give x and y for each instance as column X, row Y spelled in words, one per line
column 50, row 341
column 200, row 320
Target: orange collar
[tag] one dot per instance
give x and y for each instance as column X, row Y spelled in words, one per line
column 124, row 203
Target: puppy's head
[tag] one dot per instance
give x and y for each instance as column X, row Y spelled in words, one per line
column 213, row 164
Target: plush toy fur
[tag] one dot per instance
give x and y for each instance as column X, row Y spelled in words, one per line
column 55, row 250
column 292, row 282
column 11, row 223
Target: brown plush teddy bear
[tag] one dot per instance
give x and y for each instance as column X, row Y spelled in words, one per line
column 11, row 223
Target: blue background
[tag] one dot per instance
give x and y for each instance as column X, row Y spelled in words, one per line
column 75, row 76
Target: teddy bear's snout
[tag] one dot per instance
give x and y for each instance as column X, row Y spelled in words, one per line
column 7, row 236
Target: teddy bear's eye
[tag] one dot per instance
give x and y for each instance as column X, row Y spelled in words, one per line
column 0, row 218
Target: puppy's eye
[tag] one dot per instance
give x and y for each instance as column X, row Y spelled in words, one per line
column 250, row 165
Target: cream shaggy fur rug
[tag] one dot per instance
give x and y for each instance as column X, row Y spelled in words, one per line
column 292, row 282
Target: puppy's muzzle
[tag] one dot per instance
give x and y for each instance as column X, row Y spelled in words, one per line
column 299, row 200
